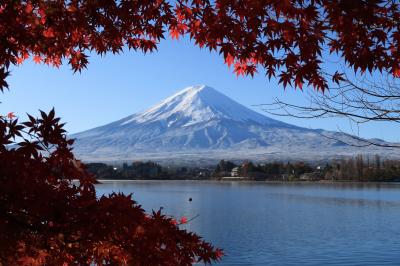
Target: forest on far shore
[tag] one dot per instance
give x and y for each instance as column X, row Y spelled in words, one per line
column 359, row 168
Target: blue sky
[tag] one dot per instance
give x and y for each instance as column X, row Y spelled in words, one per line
column 116, row 86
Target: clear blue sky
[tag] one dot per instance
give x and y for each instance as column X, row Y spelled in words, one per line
column 116, row 86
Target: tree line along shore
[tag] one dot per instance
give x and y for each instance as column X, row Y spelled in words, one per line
column 358, row 168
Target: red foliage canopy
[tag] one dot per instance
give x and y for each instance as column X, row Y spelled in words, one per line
column 285, row 37
column 48, row 218
column 50, row 215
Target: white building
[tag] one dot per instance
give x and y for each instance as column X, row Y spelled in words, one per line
column 235, row 172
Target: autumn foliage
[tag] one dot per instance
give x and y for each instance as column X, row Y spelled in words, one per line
column 50, row 215
column 287, row 38
column 49, row 212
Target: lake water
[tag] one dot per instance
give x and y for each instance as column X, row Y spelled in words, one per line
column 283, row 224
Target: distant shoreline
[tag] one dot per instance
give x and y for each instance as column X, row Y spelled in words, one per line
column 250, row 181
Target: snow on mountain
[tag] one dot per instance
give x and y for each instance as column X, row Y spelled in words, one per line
column 198, row 104
column 198, row 122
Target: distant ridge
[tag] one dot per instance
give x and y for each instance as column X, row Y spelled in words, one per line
column 200, row 122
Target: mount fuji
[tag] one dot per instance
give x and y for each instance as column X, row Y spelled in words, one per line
column 200, row 124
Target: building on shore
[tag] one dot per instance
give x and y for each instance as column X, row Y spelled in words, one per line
column 235, row 172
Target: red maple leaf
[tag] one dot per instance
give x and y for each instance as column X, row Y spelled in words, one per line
column 219, row 253
column 25, row 55
column 11, row 115
column 174, row 32
column 229, row 60
column 396, row 72
column 20, row 60
column 48, row 33
column 56, row 62
column 240, row 69
column 337, row 77
column 183, row 220
column 28, row 8
column 37, row 59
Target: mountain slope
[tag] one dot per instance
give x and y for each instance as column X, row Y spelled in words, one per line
column 200, row 120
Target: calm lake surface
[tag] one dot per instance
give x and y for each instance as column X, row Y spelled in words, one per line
column 282, row 224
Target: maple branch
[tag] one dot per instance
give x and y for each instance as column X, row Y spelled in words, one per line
column 193, row 218
column 360, row 102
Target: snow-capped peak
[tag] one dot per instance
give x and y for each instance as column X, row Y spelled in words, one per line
column 201, row 119
column 196, row 104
